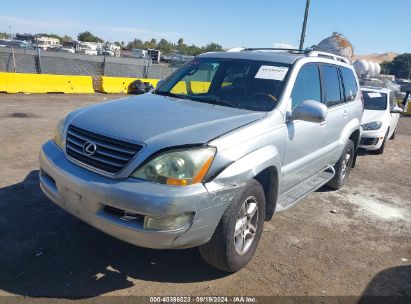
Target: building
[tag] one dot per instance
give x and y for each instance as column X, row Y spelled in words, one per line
column 139, row 53
column 25, row 37
column 88, row 48
column 110, row 49
column 47, row 42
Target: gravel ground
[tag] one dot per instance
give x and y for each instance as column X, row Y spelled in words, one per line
column 355, row 241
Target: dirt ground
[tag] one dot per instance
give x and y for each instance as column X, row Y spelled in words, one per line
column 363, row 248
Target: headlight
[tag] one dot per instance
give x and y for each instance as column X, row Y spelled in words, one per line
column 375, row 125
column 58, row 133
column 177, row 168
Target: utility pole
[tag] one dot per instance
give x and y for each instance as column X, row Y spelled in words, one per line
column 307, row 7
column 38, row 56
column 103, row 67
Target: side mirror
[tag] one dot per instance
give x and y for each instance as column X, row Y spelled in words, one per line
column 396, row 110
column 310, row 110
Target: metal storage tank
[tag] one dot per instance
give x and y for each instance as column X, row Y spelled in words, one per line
column 366, row 66
column 372, row 70
column 361, row 67
column 336, row 44
column 378, row 68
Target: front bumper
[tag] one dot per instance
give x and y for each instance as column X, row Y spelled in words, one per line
column 371, row 140
column 86, row 194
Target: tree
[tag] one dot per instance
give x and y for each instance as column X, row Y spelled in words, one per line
column 400, row 66
column 88, row 37
column 213, row 47
column 50, row 36
column 66, row 39
column 181, row 46
column 4, row 35
column 152, row 44
column 165, row 47
column 135, row 44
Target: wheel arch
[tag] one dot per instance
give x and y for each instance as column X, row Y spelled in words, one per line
column 355, row 137
column 263, row 165
column 268, row 178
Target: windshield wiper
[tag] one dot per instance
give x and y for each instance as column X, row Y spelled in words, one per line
column 214, row 100
column 169, row 94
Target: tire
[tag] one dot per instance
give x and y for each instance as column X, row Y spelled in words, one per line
column 343, row 167
column 381, row 149
column 221, row 251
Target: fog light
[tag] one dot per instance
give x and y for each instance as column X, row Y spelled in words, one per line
column 167, row 223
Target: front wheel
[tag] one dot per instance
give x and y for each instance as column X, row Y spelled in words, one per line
column 384, row 141
column 393, row 134
column 343, row 166
column 237, row 235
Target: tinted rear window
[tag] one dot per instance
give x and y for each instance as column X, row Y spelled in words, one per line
column 350, row 84
column 331, row 80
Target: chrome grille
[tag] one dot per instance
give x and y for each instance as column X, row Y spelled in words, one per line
column 111, row 154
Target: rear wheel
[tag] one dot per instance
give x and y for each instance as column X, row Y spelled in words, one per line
column 237, row 235
column 343, row 166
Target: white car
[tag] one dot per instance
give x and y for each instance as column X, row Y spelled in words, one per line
column 70, row 50
column 380, row 118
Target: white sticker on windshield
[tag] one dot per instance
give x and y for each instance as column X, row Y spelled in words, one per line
column 374, row 95
column 271, row 72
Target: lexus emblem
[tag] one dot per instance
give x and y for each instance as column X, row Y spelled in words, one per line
column 89, row 148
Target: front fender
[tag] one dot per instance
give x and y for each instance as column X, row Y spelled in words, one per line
column 246, row 168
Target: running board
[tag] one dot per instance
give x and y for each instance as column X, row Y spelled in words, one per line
column 300, row 191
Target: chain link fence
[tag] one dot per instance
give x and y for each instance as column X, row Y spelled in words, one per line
column 49, row 62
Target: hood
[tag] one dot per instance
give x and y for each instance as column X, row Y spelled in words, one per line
column 151, row 118
column 372, row 115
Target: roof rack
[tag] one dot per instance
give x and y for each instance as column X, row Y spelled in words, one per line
column 240, row 49
column 327, row 55
column 309, row 53
column 277, row 49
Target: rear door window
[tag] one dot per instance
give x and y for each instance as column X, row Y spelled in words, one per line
column 350, row 84
column 332, row 85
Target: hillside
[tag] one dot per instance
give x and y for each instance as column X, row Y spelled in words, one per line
column 389, row 56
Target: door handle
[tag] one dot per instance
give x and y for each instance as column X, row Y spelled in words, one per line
column 323, row 123
column 345, row 113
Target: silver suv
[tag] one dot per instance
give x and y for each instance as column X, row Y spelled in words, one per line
column 220, row 146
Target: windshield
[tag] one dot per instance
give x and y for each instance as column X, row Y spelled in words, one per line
column 375, row 101
column 244, row 84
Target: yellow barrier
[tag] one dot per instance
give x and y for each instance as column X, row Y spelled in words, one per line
column 120, row 84
column 408, row 110
column 196, row 87
column 44, row 83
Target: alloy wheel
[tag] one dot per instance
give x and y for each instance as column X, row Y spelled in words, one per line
column 246, row 225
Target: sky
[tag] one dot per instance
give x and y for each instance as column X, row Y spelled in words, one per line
column 372, row 26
